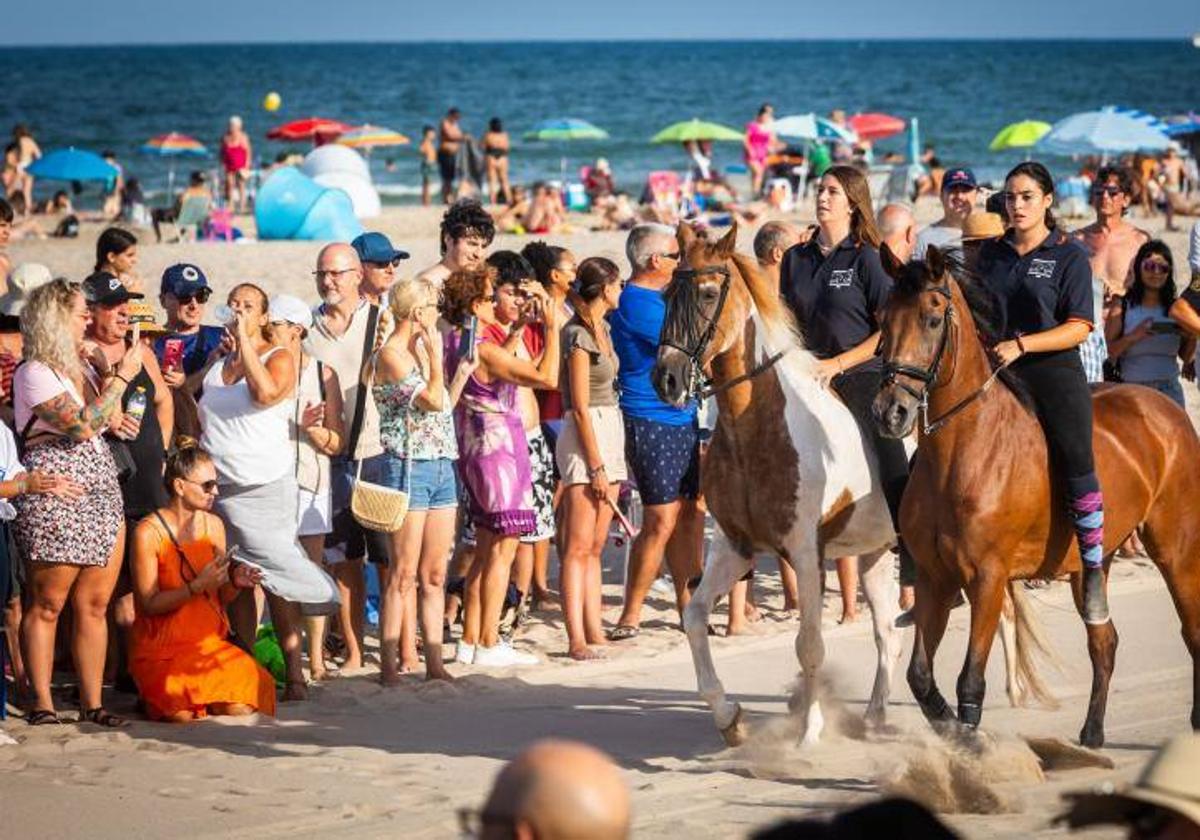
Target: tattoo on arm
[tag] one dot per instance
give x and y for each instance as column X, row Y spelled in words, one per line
column 80, row 423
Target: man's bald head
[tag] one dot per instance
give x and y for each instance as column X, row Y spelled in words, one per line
column 339, row 274
column 898, row 229
column 773, row 240
column 557, row 790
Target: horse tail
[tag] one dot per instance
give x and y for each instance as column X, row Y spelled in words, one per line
column 1031, row 643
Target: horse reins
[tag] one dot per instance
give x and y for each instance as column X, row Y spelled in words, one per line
column 928, row 375
column 697, row 382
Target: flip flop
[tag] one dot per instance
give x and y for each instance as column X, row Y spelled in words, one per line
column 623, row 633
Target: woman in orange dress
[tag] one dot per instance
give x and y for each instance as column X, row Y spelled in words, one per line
column 182, row 579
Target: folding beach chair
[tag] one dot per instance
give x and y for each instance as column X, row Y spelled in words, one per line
column 192, row 214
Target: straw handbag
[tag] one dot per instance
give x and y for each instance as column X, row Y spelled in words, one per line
column 375, row 506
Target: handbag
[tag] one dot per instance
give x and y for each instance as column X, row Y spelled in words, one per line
column 374, row 506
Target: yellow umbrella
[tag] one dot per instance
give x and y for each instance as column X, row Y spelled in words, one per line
column 1019, row 135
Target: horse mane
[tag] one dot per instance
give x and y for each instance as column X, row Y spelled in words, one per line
column 776, row 315
column 982, row 304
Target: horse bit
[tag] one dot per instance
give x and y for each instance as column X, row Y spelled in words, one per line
column 928, row 375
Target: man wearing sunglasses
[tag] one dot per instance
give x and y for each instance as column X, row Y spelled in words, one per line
column 189, row 347
column 379, row 263
column 1111, row 243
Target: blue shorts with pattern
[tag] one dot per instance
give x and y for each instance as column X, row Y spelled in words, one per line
column 664, row 460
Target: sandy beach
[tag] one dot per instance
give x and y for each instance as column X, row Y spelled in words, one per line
column 366, row 761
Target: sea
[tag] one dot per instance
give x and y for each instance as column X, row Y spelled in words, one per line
column 961, row 92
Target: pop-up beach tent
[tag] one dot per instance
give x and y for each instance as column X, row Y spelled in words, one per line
column 290, row 205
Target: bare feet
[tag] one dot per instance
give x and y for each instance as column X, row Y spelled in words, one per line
column 442, row 675
column 389, row 679
column 848, row 617
column 295, row 691
column 584, row 654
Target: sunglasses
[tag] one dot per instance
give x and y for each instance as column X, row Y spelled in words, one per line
column 1157, row 266
column 390, row 264
column 1110, row 191
column 209, row 486
column 200, row 296
column 672, row 256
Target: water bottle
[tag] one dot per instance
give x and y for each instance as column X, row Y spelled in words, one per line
column 136, row 407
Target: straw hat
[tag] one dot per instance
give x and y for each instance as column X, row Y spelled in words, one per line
column 24, row 279
column 1171, row 780
column 141, row 312
column 982, row 226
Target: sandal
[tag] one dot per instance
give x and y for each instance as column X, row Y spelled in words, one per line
column 623, row 633
column 102, row 717
column 42, row 717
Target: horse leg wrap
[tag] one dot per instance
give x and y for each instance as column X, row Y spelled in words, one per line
column 969, row 714
column 1087, row 511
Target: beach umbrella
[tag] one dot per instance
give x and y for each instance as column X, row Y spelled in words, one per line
column 562, row 130
column 173, row 145
column 308, row 128
column 72, row 164
column 1104, row 132
column 565, row 128
column 1183, row 125
column 875, row 126
column 694, row 129
column 371, row 136
column 812, row 127
column 1019, row 135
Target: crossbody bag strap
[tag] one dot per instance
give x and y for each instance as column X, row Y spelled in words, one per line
column 360, row 402
column 183, row 561
column 366, row 386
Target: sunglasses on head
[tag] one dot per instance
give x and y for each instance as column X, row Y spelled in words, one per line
column 200, row 296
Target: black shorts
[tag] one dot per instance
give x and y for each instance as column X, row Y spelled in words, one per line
column 446, row 166
column 664, row 460
column 348, row 540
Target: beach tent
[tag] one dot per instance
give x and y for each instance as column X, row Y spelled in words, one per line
column 290, row 205
column 343, row 168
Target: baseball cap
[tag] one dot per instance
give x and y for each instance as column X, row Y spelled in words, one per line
column 182, row 279
column 24, row 279
column 107, row 289
column 959, row 177
column 376, row 248
column 291, row 309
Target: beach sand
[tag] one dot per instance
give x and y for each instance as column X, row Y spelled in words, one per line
column 360, row 760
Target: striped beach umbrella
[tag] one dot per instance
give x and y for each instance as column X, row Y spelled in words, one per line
column 1104, row 132
column 371, row 136
column 812, row 127
column 174, row 144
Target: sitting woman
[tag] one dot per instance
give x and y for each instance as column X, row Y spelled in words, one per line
column 182, row 578
column 1140, row 334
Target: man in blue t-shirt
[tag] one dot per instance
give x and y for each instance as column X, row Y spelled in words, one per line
column 184, row 295
column 662, row 443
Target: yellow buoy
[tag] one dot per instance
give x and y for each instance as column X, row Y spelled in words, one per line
column 272, row 101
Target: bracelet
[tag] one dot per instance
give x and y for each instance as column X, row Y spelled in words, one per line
column 22, row 485
column 595, row 471
column 1020, row 345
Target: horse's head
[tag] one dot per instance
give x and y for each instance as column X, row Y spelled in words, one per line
column 705, row 313
column 915, row 340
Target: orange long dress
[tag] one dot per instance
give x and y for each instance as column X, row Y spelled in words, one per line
column 180, row 660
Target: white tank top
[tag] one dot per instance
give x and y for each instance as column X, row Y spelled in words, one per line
column 249, row 444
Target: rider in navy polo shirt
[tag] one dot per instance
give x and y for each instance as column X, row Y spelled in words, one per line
column 1042, row 282
column 836, row 286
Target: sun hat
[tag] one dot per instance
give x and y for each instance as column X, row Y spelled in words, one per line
column 982, row 226
column 1171, row 780
column 21, row 282
column 141, row 312
column 291, row 309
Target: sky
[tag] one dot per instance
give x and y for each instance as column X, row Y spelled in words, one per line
column 101, row 22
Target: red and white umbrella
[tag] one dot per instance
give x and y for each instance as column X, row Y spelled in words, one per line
column 875, row 126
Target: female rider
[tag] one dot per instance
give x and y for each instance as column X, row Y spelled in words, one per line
column 1043, row 285
column 836, row 285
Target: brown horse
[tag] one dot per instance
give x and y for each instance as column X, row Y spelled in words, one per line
column 981, row 507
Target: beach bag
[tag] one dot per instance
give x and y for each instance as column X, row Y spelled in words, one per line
column 374, row 506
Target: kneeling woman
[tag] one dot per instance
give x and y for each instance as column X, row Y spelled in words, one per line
column 182, row 579
column 1043, row 284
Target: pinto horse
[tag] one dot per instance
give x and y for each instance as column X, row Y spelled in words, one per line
column 787, row 471
column 981, row 508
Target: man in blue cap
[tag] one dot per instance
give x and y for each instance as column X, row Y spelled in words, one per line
column 189, row 348
column 959, row 194
column 379, row 263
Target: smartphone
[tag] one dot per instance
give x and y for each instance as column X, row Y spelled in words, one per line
column 622, row 520
column 172, row 354
column 466, row 350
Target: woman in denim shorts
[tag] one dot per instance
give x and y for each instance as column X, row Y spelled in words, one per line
column 417, row 432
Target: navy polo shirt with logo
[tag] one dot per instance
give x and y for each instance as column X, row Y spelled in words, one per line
column 836, row 298
column 1041, row 290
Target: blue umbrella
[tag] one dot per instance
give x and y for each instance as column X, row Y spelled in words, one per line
column 1189, row 124
column 72, row 164
column 1107, row 131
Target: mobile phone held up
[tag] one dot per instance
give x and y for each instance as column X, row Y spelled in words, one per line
column 466, row 350
column 172, row 354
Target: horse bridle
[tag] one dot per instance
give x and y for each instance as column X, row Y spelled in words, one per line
column 928, row 375
column 695, row 353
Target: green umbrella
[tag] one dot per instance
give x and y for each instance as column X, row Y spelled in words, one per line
column 1019, row 135
column 681, row 132
column 566, row 128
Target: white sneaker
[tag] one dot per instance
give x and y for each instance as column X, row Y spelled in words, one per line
column 464, row 654
column 502, row 655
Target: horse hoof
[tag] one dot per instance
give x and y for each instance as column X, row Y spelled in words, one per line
column 735, row 733
column 1091, row 737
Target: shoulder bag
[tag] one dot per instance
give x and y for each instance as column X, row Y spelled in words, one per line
column 374, row 506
